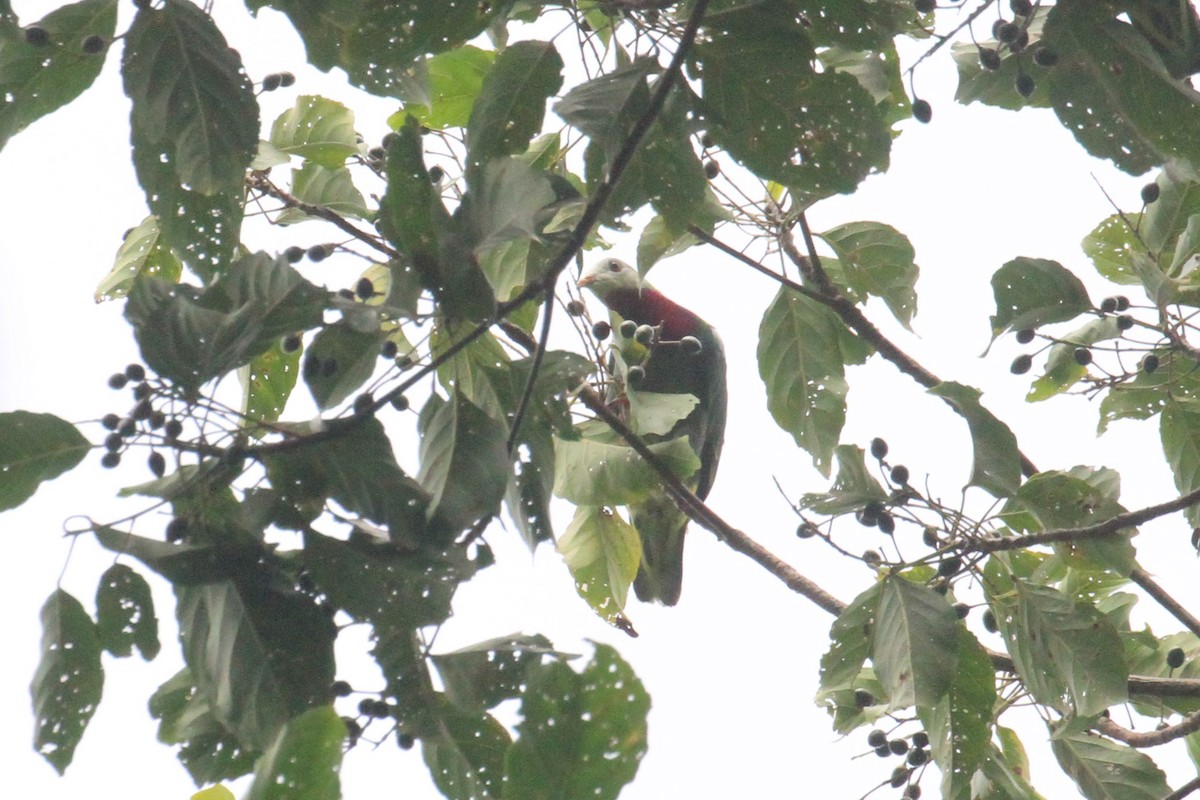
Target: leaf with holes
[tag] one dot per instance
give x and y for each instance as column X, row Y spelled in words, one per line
column 125, row 613
column 319, row 130
column 464, row 462
column 512, row 100
column 304, row 760
column 143, row 252
column 915, row 643
column 602, row 552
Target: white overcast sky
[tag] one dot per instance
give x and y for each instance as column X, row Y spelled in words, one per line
column 732, row 670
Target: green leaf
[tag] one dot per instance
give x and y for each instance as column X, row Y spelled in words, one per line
column 878, row 72
column 997, row 87
column 504, row 203
column 455, row 79
column 755, row 102
column 183, row 564
column 325, row 187
column 1031, row 292
column 143, row 252
column 35, row 448
column 1001, row 776
column 656, row 413
column 1105, row 770
column 588, row 472
column 125, row 613
column 850, row 646
column 1082, row 496
column 466, row 759
column 207, row 749
column 267, row 382
column 960, row 723
column 1180, row 432
column 1112, row 91
column 260, row 655
column 464, row 462
column 394, row 588
column 319, row 130
column 355, row 467
column 996, row 467
column 915, row 643
column 853, row 487
column 1178, row 200
column 512, row 102
column 877, row 260
column 1062, row 370
column 38, row 79
column 69, row 679
column 340, row 360
column 1067, row 652
column 303, row 761
column 485, row 674
column 1175, row 381
column 472, row 371
column 581, row 735
column 803, row 349
column 603, row 552
column 1110, row 246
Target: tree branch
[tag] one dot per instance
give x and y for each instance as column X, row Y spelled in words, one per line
column 1190, row 724
column 1185, row 790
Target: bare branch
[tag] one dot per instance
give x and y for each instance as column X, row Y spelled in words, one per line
column 260, row 182
column 1190, row 724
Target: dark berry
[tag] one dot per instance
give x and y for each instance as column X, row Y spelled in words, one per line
column 436, row 174
column 918, row 756
column 912, row 791
column 691, row 345
column 898, row 747
column 879, row 448
column 128, row 427
column 290, row 343
column 36, row 35
column 271, row 82
column 876, row 738
column 110, row 421
column 628, row 328
column 1022, row 8
column 1082, row 356
column 1021, row 364
column 989, row 621
column 364, row 289
column 706, row 140
column 117, row 380
column 886, row 523
column 872, row 558
column 1108, row 305
column 405, row 740
column 922, row 111
column 711, row 169
column 317, row 253
column 353, row 729
column 93, row 44
column 950, row 566
column 601, row 330
column 114, row 442
column 377, row 153
column 644, row 335
column 389, row 349
column 899, row 777
column 863, row 698
column 1150, row 193
column 1124, row 322
column 340, row 689
column 1021, row 43
column 1122, row 302
column 286, row 79
column 929, row 537
column 882, row 751
column 347, row 294
column 1025, row 336
column 176, row 529
column 1045, row 57
column 365, row 706
column 110, row 459
column 157, row 420
column 157, row 464
column 924, row 6
column 1007, row 32
column 1176, row 657
column 141, row 391
column 961, row 610
column 135, row 372
column 806, row 530
column 142, row 410
column 989, row 58
column 380, row 709
column 404, row 362
column 364, row 403
column 920, row 739
column 1149, row 363
column 900, row 474
column 400, row 402
column 1025, row 84
column 576, row 308
column 293, row 254
column 173, row 428
column 635, row 375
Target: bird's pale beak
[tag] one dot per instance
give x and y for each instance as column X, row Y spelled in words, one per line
column 585, row 281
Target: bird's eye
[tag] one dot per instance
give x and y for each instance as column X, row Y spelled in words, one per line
column 614, row 266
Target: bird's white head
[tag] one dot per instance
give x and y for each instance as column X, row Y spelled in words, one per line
column 608, row 276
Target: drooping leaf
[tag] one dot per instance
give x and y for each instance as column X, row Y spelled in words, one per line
column 464, row 462
column 267, row 382
column 207, row 749
column 319, row 130
column 1031, row 292
column 183, row 564
column 1110, row 246
column 877, row 260
column 1179, row 430
column 603, row 552
column 803, row 349
column 503, row 204
column 259, row 654
column 1103, row 769
column 996, row 467
column 466, row 758
column 125, row 613
column 69, row 680
column 341, row 358
column 485, row 674
column 1178, row 200
column 581, row 734
column 304, row 759
column 588, row 472
column 915, row 643
column 960, row 723
column 143, row 252
column 512, row 100
column 850, row 646
column 1113, row 92
column 853, row 487
column 36, row 79
column 35, row 448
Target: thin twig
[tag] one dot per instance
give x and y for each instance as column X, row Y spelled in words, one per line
column 539, row 354
column 264, row 185
column 1185, row 790
column 1190, row 724
column 1143, row 579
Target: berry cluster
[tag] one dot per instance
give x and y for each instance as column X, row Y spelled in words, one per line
column 914, row 749
column 141, row 420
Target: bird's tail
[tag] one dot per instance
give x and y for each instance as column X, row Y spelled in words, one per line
column 661, row 526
